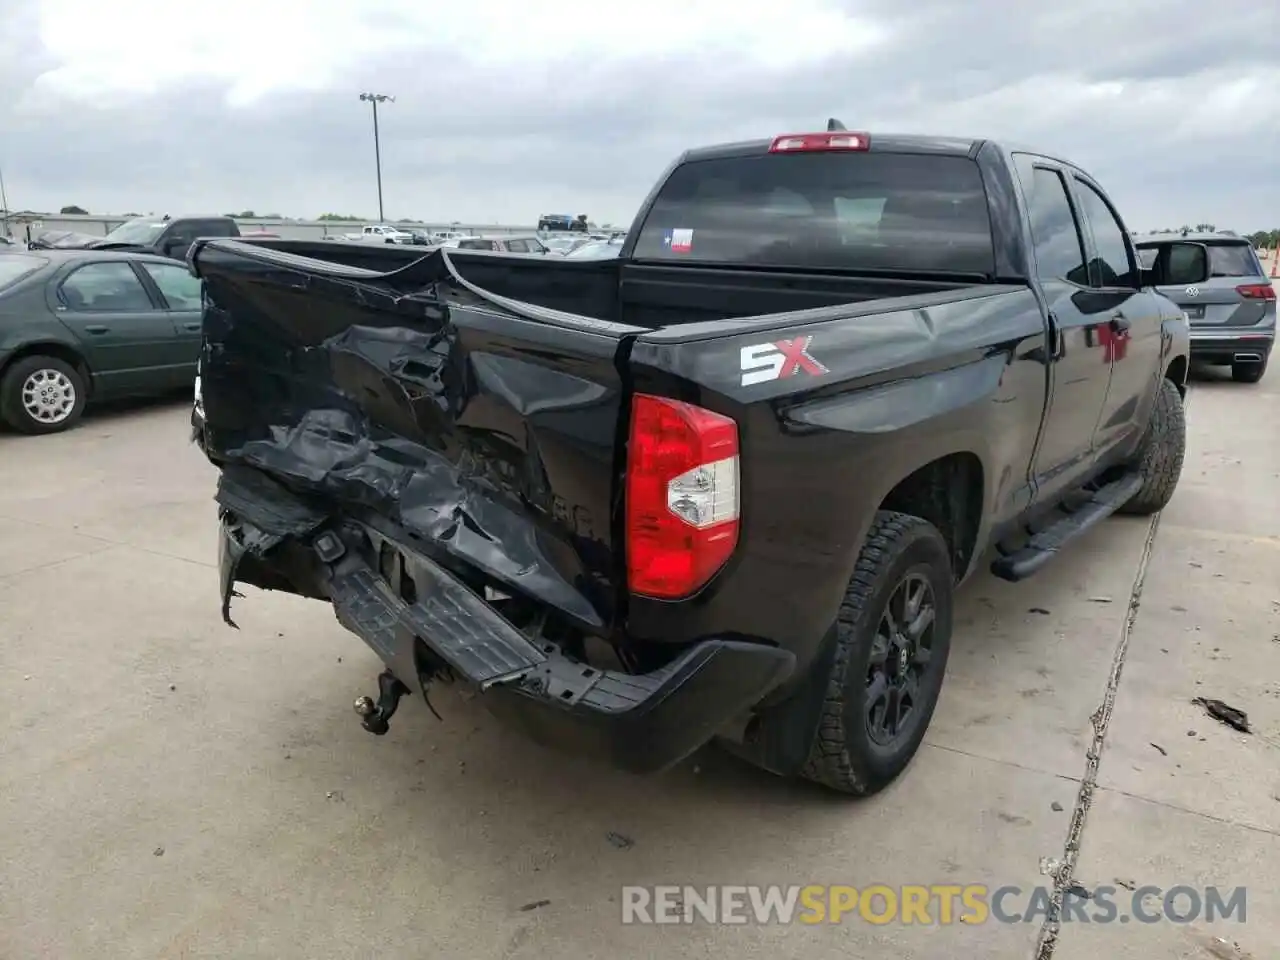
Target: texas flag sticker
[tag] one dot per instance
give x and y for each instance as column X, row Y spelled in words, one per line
column 678, row 241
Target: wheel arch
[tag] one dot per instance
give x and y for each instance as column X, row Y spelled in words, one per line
column 1177, row 371
column 59, row 350
column 949, row 492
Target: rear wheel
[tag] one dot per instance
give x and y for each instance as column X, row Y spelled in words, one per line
column 41, row 395
column 893, row 636
column 1248, row 371
column 1160, row 454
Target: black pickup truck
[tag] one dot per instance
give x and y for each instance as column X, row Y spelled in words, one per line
column 164, row 236
column 722, row 487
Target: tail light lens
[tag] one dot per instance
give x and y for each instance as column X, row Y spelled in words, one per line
column 682, row 496
column 1257, row 291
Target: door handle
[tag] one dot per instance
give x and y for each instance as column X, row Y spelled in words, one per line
column 97, row 328
column 1119, row 322
column 196, row 327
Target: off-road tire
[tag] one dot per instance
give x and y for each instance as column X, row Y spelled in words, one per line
column 1248, row 371
column 12, row 411
column 842, row 755
column 1160, row 454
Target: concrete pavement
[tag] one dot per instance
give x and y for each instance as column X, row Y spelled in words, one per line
column 173, row 788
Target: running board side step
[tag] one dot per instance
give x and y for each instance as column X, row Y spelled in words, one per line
column 1046, row 544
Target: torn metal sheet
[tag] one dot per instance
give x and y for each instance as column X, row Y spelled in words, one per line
column 407, row 399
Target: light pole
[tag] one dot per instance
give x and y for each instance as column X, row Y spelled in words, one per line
column 374, row 99
column 4, row 208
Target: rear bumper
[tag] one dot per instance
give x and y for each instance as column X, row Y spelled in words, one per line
column 1220, row 345
column 641, row 723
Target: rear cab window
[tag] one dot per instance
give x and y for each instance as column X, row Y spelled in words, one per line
column 879, row 212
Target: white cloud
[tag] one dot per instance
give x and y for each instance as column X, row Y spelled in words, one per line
column 506, row 108
column 260, row 47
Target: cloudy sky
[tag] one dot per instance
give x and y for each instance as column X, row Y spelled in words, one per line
column 508, row 108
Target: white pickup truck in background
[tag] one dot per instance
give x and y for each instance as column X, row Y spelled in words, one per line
column 379, row 233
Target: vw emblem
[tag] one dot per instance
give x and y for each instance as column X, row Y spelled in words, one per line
column 1193, row 291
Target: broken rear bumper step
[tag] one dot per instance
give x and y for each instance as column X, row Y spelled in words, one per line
column 638, row 722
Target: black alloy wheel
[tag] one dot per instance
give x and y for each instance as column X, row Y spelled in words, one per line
column 901, row 653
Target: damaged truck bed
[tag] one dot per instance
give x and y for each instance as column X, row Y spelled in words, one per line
column 722, row 487
column 425, row 449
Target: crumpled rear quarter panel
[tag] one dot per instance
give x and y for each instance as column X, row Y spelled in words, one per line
column 486, row 435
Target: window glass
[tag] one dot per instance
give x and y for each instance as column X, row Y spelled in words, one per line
column 1058, row 246
column 890, row 212
column 597, row 250
column 212, row 228
column 143, row 231
column 1233, row 260
column 181, row 290
column 1185, row 262
column 105, row 286
column 517, row 246
column 1111, row 257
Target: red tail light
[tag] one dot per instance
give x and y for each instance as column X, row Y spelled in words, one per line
column 1257, row 291
column 682, row 496
column 817, row 142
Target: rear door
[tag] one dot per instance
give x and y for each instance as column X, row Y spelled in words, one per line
column 1227, row 298
column 127, row 336
column 180, row 294
column 1079, row 364
column 1129, row 323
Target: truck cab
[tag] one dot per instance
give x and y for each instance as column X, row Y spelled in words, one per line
column 382, row 233
column 166, row 236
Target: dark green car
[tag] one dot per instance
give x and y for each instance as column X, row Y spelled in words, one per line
column 81, row 325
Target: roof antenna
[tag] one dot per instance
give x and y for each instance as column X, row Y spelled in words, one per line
column 833, row 125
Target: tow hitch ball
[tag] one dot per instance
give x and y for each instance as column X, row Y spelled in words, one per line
column 374, row 717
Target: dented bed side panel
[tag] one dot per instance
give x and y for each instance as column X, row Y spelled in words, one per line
column 485, row 435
